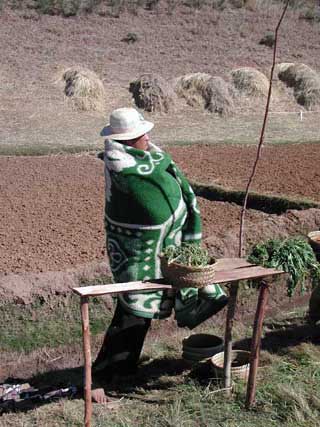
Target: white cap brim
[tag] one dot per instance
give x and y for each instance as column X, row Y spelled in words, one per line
column 144, row 127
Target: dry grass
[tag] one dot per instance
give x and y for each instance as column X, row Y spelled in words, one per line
column 152, row 93
column 250, row 81
column 282, row 67
column 85, row 89
column 305, row 82
column 167, row 393
column 33, row 110
column 211, row 93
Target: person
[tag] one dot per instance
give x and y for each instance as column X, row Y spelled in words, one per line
column 149, row 206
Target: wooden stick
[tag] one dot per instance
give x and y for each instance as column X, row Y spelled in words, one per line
column 87, row 360
column 256, row 342
column 261, row 140
column 228, row 337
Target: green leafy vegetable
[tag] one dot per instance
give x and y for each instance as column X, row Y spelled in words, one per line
column 294, row 256
column 189, row 254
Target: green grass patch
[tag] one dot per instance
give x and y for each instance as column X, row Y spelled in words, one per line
column 263, row 202
column 48, row 323
column 45, row 150
column 237, row 141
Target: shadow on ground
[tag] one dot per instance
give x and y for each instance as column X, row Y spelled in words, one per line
column 281, row 335
column 165, row 373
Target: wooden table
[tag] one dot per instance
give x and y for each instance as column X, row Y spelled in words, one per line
column 229, row 270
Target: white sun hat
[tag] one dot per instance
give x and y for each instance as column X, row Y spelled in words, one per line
column 126, row 124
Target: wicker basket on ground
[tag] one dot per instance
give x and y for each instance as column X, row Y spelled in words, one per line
column 240, row 364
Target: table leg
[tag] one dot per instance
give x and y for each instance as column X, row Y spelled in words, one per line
column 87, row 359
column 228, row 337
column 256, row 342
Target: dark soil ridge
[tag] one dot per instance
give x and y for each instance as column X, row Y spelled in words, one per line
column 259, row 201
column 24, row 288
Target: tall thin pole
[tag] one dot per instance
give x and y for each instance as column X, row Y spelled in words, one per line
column 235, row 286
column 87, row 360
column 244, row 207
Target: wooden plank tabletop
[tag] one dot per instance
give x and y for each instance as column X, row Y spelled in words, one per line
column 228, row 270
column 115, row 288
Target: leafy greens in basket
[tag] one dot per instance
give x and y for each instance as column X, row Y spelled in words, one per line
column 189, row 254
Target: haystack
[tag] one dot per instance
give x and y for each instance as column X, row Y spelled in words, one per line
column 152, row 93
column 85, row 89
column 305, row 82
column 250, row 81
column 281, row 67
column 211, row 93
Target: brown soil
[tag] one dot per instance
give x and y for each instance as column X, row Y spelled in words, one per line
column 52, row 213
column 290, row 170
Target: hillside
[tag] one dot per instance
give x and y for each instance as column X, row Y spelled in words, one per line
column 35, row 48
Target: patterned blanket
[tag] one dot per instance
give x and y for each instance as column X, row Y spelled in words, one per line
column 149, row 206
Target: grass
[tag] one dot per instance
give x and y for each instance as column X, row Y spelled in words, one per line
column 53, row 149
column 287, row 395
column 44, row 150
column 264, row 202
column 235, row 141
column 25, row 328
column 115, row 8
column 166, row 393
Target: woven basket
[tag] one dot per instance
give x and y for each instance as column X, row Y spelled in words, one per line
column 239, row 364
column 314, row 240
column 183, row 276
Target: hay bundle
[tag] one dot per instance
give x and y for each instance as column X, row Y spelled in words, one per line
column 280, row 68
column 152, row 93
column 85, row 88
column 211, row 93
column 305, row 82
column 250, row 81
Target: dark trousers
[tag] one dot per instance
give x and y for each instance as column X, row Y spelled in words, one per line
column 122, row 345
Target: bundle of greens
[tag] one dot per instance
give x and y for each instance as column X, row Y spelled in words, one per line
column 189, row 254
column 294, row 256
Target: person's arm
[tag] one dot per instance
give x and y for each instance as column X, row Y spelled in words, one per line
column 192, row 230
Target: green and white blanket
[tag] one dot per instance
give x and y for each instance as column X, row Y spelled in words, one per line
column 149, row 206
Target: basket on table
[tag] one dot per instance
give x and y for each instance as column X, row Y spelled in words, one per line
column 184, row 276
